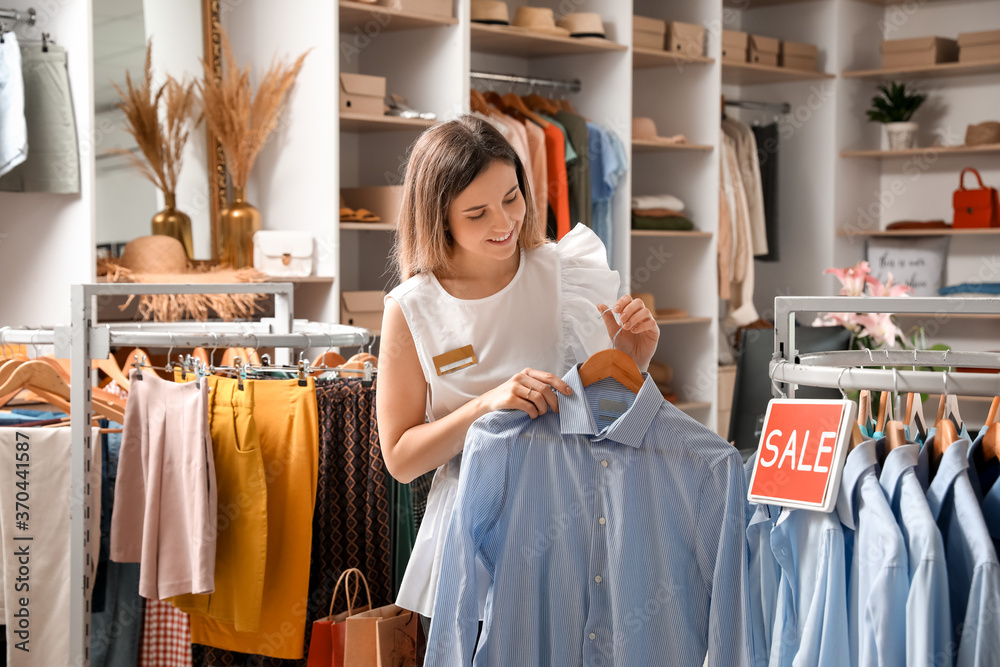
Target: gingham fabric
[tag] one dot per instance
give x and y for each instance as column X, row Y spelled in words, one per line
column 166, row 636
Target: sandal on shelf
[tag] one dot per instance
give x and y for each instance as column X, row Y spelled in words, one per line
column 364, row 215
column 348, row 214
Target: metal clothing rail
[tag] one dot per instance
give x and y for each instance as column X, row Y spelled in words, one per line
column 572, row 85
column 881, row 370
column 84, row 339
column 776, row 107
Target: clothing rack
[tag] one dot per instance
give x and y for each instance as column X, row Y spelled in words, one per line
column 572, row 85
column 881, row 370
column 783, row 108
column 28, row 17
column 84, row 340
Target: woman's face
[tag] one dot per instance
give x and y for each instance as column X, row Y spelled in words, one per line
column 485, row 219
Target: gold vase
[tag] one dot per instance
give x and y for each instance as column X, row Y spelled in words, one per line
column 175, row 224
column 237, row 224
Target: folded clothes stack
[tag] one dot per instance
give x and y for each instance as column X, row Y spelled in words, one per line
column 659, row 212
column 966, row 290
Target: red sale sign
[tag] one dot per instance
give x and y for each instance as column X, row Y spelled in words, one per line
column 801, row 453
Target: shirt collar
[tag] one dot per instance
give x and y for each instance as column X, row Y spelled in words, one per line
column 860, row 461
column 629, row 429
column 897, row 462
column 954, row 462
column 990, row 501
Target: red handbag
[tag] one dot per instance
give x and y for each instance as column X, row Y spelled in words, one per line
column 976, row 208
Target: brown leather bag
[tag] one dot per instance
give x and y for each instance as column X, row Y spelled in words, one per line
column 976, row 208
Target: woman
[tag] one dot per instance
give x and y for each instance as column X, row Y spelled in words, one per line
column 490, row 317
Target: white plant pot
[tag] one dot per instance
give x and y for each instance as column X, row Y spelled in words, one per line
column 901, row 136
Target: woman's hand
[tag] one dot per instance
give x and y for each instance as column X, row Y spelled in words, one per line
column 529, row 390
column 639, row 330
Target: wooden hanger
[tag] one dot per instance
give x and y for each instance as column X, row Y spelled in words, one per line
column 865, row 408
column 991, row 439
column 132, row 360
column 613, row 364
column 883, row 405
column 328, row 359
column 565, row 105
column 543, row 104
column 113, row 370
column 478, row 103
column 517, row 104
column 44, row 380
column 945, row 431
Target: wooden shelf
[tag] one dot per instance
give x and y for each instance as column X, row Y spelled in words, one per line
column 649, row 146
column 692, row 406
column 369, row 226
column 512, row 41
column 927, row 150
column 694, row 234
column 928, row 71
column 663, row 321
column 646, row 58
column 749, row 74
column 752, row 4
column 989, row 231
column 359, row 122
column 300, row 279
column 359, row 15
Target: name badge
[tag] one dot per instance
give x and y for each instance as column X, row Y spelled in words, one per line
column 455, row 360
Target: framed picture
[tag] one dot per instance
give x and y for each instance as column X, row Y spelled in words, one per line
column 918, row 263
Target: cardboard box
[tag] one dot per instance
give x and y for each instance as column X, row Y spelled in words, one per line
column 383, row 200
column 362, row 309
column 978, row 46
column 648, row 33
column 918, row 52
column 687, row 39
column 735, row 46
column 764, row 50
column 360, row 93
column 795, row 55
column 441, row 8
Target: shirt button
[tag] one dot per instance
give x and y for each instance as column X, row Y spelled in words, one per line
column 592, row 636
column 598, row 579
column 604, row 463
column 602, row 521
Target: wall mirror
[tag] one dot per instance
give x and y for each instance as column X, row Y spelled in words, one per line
column 183, row 32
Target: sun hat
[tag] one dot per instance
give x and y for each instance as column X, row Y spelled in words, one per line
column 645, row 128
column 583, row 24
column 490, row 12
column 983, row 134
column 538, row 19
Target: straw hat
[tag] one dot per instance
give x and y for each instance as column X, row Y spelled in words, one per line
column 538, row 19
column 645, row 128
column 983, row 134
column 663, row 313
column 491, row 12
column 154, row 254
column 583, row 24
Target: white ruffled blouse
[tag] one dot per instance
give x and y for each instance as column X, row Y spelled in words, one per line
column 546, row 318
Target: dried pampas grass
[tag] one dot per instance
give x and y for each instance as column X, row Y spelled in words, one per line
column 241, row 121
column 161, row 142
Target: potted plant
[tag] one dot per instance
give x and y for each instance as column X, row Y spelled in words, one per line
column 893, row 107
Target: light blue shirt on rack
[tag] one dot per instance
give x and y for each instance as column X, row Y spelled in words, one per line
column 987, row 488
column 928, row 615
column 877, row 573
column 763, row 575
column 973, row 569
column 613, row 533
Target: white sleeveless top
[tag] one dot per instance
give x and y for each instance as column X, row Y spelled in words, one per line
column 546, row 318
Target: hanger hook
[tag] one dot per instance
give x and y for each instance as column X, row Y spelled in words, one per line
column 840, row 382
column 211, row 358
column 774, row 384
column 3, row 341
column 170, row 351
column 614, row 339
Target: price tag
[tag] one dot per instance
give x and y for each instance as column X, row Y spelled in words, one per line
column 801, row 453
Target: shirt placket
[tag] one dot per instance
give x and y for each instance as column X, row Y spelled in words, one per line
column 598, row 636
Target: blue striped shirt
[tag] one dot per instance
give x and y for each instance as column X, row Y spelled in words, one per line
column 613, row 533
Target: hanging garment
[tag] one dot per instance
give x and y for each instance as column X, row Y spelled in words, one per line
column 35, row 500
column 763, row 574
column 608, row 166
column 515, row 134
column 404, row 531
column 973, row 569
column 877, row 562
column 165, row 517
column 539, row 168
column 612, row 532
column 558, row 196
column 724, row 250
column 53, row 162
column 766, row 137
column 352, row 523
column 288, row 430
column 545, row 318
column 983, row 476
column 578, row 173
column 116, row 608
column 241, row 542
column 928, row 617
column 741, row 310
column 166, row 636
column 13, row 127
column 749, row 169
